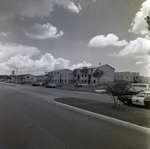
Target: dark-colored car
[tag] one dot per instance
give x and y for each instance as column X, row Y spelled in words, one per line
column 78, row 85
column 36, row 84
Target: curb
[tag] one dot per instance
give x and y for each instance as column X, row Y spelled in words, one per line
column 105, row 118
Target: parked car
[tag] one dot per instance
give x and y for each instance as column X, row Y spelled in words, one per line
column 78, row 85
column 50, row 85
column 142, row 98
column 39, row 84
column 34, row 84
column 126, row 95
column 140, row 86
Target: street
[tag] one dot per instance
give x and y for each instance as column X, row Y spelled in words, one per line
column 29, row 119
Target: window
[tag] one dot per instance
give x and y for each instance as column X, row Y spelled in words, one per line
column 141, row 94
column 94, row 81
column 148, row 95
column 85, row 81
column 85, row 75
column 135, row 85
column 142, row 85
column 127, row 77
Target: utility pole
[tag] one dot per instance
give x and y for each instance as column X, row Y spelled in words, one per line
column 16, row 75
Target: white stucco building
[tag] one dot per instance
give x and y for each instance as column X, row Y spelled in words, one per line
column 85, row 75
column 62, row 76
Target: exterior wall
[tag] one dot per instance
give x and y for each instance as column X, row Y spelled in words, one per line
column 108, row 75
column 85, row 75
column 127, row 76
column 41, row 78
column 144, row 79
column 4, row 78
column 26, row 78
column 63, row 76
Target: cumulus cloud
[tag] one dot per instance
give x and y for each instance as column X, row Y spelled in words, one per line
column 33, row 8
column 136, row 48
column 71, row 6
column 46, row 62
column 109, row 40
column 45, row 31
column 139, row 24
column 84, row 64
column 10, row 49
column 138, row 63
column 5, row 34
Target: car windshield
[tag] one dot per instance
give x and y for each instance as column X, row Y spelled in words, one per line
column 141, row 94
column 148, row 95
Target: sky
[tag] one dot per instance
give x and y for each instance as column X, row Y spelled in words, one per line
column 38, row 36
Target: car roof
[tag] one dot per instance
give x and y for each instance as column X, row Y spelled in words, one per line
column 145, row 92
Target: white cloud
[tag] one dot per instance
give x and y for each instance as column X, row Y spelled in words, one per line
column 136, row 48
column 10, row 49
column 5, row 34
column 46, row 62
column 138, row 63
column 109, row 40
column 45, row 31
column 32, row 8
column 71, row 6
column 84, row 64
column 139, row 24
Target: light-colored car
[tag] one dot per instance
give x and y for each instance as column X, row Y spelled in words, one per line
column 140, row 87
column 142, row 98
column 50, row 85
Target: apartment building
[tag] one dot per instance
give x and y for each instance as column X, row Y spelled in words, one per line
column 42, row 78
column 127, row 76
column 144, row 79
column 85, row 75
column 62, row 76
column 24, row 78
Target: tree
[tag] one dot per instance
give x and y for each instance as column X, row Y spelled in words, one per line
column 98, row 74
column 147, row 19
column 115, row 90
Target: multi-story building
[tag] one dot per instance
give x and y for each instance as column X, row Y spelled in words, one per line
column 24, row 78
column 42, row 78
column 62, row 76
column 144, row 79
column 85, row 75
column 4, row 77
column 127, row 76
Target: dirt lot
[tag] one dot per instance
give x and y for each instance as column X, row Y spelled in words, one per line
column 133, row 114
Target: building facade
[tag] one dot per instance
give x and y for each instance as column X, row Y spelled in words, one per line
column 144, row 79
column 42, row 78
column 25, row 78
column 128, row 77
column 85, row 75
column 63, row 76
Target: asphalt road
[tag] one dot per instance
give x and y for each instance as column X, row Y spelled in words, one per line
column 29, row 119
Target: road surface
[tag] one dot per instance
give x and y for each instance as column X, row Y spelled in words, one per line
column 29, row 119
